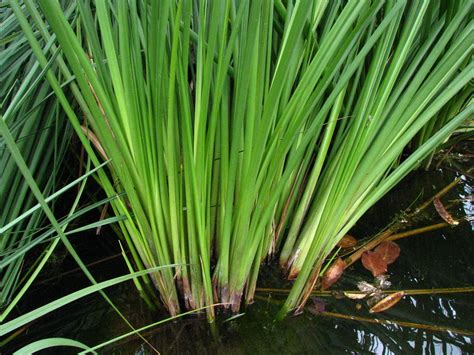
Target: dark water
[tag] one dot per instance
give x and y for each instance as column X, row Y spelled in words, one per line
column 438, row 259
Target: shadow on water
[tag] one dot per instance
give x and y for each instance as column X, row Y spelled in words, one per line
column 439, row 259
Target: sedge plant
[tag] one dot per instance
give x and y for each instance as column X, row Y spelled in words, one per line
column 42, row 135
column 241, row 129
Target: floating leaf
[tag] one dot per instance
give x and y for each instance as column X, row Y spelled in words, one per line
column 387, row 302
column 374, row 262
column 364, row 286
column 355, row 295
column 333, row 273
column 318, row 306
column 382, row 282
column 389, row 251
column 443, row 212
column 348, row 241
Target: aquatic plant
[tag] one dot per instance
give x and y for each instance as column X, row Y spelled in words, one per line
column 237, row 130
column 42, row 135
column 417, row 67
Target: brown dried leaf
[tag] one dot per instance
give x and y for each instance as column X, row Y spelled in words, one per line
column 374, row 262
column 348, row 241
column 333, row 273
column 443, row 212
column 387, row 302
column 95, row 141
column 388, row 251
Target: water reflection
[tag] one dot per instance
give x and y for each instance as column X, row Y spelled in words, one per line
column 467, row 199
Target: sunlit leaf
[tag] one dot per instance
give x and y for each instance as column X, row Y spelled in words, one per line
column 387, row 302
column 355, row 295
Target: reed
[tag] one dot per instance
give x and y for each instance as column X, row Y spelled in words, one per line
column 240, row 129
column 419, row 66
column 42, row 135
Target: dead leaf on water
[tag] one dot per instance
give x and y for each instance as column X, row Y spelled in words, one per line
column 318, row 306
column 333, row 273
column 364, row 286
column 382, row 282
column 388, row 251
column 387, row 302
column 355, row 295
column 348, row 241
column 374, row 262
column 443, row 212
